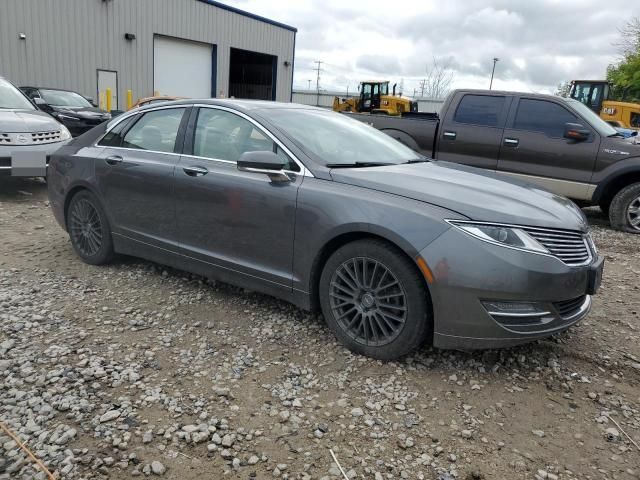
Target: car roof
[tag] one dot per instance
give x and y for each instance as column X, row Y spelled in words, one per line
column 48, row 88
column 509, row 92
column 237, row 104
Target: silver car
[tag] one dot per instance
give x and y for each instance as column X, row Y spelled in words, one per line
column 331, row 214
column 27, row 135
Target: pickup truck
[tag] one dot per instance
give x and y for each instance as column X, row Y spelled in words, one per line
column 554, row 142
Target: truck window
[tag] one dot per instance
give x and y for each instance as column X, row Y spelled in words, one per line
column 542, row 116
column 479, row 110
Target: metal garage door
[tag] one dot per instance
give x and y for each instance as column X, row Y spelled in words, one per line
column 182, row 67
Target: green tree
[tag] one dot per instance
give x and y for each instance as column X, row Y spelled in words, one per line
column 625, row 75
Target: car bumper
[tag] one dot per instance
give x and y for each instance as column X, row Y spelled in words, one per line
column 8, row 153
column 468, row 273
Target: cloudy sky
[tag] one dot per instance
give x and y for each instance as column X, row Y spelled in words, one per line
column 539, row 42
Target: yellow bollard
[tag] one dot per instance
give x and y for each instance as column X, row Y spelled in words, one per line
column 129, row 99
column 101, row 100
column 108, row 95
column 156, row 93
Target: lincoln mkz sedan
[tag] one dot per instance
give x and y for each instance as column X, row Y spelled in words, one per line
column 328, row 213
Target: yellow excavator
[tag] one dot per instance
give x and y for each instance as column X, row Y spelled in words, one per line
column 595, row 95
column 374, row 98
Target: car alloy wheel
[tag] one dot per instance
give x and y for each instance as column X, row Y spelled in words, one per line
column 86, row 228
column 633, row 213
column 368, row 301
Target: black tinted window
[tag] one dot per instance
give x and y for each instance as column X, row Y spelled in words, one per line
column 479, row 110
column 542, row 116
column 156, row 130
column 114, row 137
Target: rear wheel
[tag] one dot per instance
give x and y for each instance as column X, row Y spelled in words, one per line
column 374, row 300
column 624, row 212
column 89, row 229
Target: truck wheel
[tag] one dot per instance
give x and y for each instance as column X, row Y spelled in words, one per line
column 374, row 300
column 624, row 212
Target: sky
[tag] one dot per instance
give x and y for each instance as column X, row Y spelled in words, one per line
column 539, row 43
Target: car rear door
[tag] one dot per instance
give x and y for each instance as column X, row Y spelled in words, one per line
column 240, row 222
column 135, row 174
column 534, row 148
column 471, row 132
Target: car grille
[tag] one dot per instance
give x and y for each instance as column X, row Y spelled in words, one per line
column 46, row 137
column 568, row 308
column 570, row 247
column 5, row 138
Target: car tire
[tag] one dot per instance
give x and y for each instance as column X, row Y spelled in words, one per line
column 89, row 229
column 383, row 323
column 624, row 212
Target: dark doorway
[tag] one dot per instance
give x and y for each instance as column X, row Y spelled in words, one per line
column 252, row 75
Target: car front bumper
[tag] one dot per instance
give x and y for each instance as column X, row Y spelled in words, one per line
column 468, row 273
column 8, row 152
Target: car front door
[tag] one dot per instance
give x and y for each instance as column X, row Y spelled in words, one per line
column 240, row 222
column 135, row 175
column 534, row 148
column 471, row 133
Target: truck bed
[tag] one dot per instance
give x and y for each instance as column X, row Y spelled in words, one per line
column 417, row 131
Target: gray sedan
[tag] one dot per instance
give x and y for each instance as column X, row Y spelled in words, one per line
column 328, row 213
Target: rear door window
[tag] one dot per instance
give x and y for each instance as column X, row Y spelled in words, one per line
column 542, row 116
column 483, row 110
column 156, row 131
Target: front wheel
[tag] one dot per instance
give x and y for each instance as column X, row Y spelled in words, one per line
column 374, row 300
column 624, row 211
column 89, row 229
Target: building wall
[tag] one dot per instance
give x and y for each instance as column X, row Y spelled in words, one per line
column 69, row 40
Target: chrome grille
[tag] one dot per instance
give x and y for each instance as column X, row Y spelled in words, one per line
column 46, row 137
column 569, row 246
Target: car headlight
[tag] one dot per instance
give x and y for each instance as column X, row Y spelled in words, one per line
column 503, row 235
column 65, row 134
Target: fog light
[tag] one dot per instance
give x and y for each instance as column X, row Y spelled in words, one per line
column 515, row 309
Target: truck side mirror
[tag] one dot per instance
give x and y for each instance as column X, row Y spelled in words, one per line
column 576, row 131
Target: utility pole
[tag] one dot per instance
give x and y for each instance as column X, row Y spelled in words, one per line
column 422, row 85
column 495, row 60
column 319, row 62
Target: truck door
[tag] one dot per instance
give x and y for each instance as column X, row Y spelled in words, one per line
column 534, row 148
column 471, row 133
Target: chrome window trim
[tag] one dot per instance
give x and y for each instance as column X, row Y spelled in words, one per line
column 304, row 171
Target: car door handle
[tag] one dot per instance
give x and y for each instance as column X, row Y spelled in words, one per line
column 511, row 142
column 195, row 171
column 114, row 159
column 449, row 135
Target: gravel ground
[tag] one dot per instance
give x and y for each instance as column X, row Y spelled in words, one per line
column 135, row 369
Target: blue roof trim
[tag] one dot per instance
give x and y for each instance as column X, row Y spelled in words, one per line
column 250, row 15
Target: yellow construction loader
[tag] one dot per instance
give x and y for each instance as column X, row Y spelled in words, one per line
column 374, row 98
column 595, row 95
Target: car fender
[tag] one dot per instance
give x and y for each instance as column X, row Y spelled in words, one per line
column 614, row 173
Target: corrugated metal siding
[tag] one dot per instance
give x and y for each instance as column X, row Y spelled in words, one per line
column 69, row 40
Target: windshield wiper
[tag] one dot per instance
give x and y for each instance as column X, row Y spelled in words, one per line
column 359, row 164
column 418, row 160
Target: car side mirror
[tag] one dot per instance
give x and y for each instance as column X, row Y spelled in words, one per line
column 265, row 162
column 576, row 131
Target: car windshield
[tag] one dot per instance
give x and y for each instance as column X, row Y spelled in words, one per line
column 332, row 138
column 594, row 120
column 63, row 98
column 11, row 98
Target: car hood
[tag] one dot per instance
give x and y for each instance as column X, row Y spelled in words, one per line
column 480, row 195
column 25, row 121
column 83, row 112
